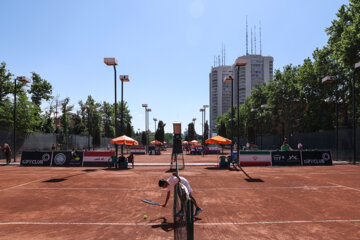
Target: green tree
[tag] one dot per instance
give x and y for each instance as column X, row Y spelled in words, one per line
column 222, row 129
column 143, row 138
column 206, row 130
column 108, row 120
column 40, row 89
column 160, row 132
column 64, row 119
column 191, row 132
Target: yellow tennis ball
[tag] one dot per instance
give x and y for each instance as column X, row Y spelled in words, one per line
column 145, row 216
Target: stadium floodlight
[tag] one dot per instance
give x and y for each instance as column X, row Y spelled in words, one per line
column 110, row 61
column 24, row 80
column 123, row 78
column 155, row 120
column 113, row 62
column 240, row 62
column 230, row 79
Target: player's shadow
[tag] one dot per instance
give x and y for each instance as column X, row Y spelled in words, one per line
column 171, row 170
column 166, row 226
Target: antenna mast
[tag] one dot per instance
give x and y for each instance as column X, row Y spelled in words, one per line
column 260, row 38
column 255, row 38
column 247, row 44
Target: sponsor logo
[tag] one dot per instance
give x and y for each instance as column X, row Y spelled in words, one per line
column 46, row 157
column 314, row 161
column 292, row 158
column 254, row 158
column 60, row 159
column 277, row 157
column 325, row 156
column 32, row 162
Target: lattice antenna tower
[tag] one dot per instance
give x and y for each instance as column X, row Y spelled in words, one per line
column 255, row 38
column 247, row 42
column 260, row 38
column 251, row 41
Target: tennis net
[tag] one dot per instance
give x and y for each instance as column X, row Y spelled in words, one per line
column 183, row 213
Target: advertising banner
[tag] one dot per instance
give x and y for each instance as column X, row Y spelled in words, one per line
column 67, row 159
column 97, row 158
column 137, row 150
column 316, row 158
column 255, row 158
column 35, row 158
column 286, row 158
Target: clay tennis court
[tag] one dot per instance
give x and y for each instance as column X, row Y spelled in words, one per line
column 100, row 203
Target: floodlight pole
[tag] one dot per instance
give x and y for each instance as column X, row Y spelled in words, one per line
column 122, row 79
column 357, row 65
column 238, row 119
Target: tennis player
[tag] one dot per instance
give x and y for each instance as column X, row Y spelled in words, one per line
column 170, row 183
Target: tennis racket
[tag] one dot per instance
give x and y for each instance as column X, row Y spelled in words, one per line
column 149, row 202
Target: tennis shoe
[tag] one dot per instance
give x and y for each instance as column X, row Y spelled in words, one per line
column 179, row 213
column 197, row 211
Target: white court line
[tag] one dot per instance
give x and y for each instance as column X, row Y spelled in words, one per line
column 196, row 223
column 22, row 184
column 276, row 222
column 338, row 185
column 198, row 189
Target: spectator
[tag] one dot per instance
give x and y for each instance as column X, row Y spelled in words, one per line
column 285, row 146
column 299, row 145
column 6, row 149
column 130, row 159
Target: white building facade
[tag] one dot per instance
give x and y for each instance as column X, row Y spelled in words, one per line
column 258, row 70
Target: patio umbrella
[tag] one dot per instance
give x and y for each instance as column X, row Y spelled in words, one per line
column 156, row 142
column 219, row 140
column 185, row 142
column 194, row 142
column 124, row 140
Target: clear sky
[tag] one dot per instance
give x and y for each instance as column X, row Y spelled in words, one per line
column 166, row 47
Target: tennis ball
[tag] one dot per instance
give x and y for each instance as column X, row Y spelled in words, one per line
column 145, row 216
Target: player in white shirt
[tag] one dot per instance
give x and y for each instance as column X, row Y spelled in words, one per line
column 174, row 179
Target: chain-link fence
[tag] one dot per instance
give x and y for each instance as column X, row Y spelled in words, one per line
column 45, row 141
column 322, row 140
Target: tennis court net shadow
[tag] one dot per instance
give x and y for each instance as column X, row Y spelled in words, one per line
column 55, row 180
column 90, row 170
column 249, row 178
column 166, row 226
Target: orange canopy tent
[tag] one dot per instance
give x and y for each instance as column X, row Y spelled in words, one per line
column 124, row 140
column 219, row 140
column 185, row 142
column 194, row 142
column 156, row 142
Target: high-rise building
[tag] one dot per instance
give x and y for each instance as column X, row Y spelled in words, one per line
column 258, row 70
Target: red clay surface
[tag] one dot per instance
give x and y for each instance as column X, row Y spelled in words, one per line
column 97, row 203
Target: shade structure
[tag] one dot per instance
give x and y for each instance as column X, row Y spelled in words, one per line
column 219, row 140
column 194, row 142
column 156, row 142
column 124, row 140
column 185, row 142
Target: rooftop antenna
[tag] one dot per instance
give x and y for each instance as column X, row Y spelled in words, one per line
column 247, row 44
column 214, row 61
column 219, row 59
column 251, row 41
column 260, row 38
column 224, row 55
column 255, row 38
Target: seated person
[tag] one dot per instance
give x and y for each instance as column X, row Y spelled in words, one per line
column 122, row 158
column 285, row 146
column 130, row 159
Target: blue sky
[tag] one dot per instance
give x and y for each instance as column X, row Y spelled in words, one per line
column 166, row 47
